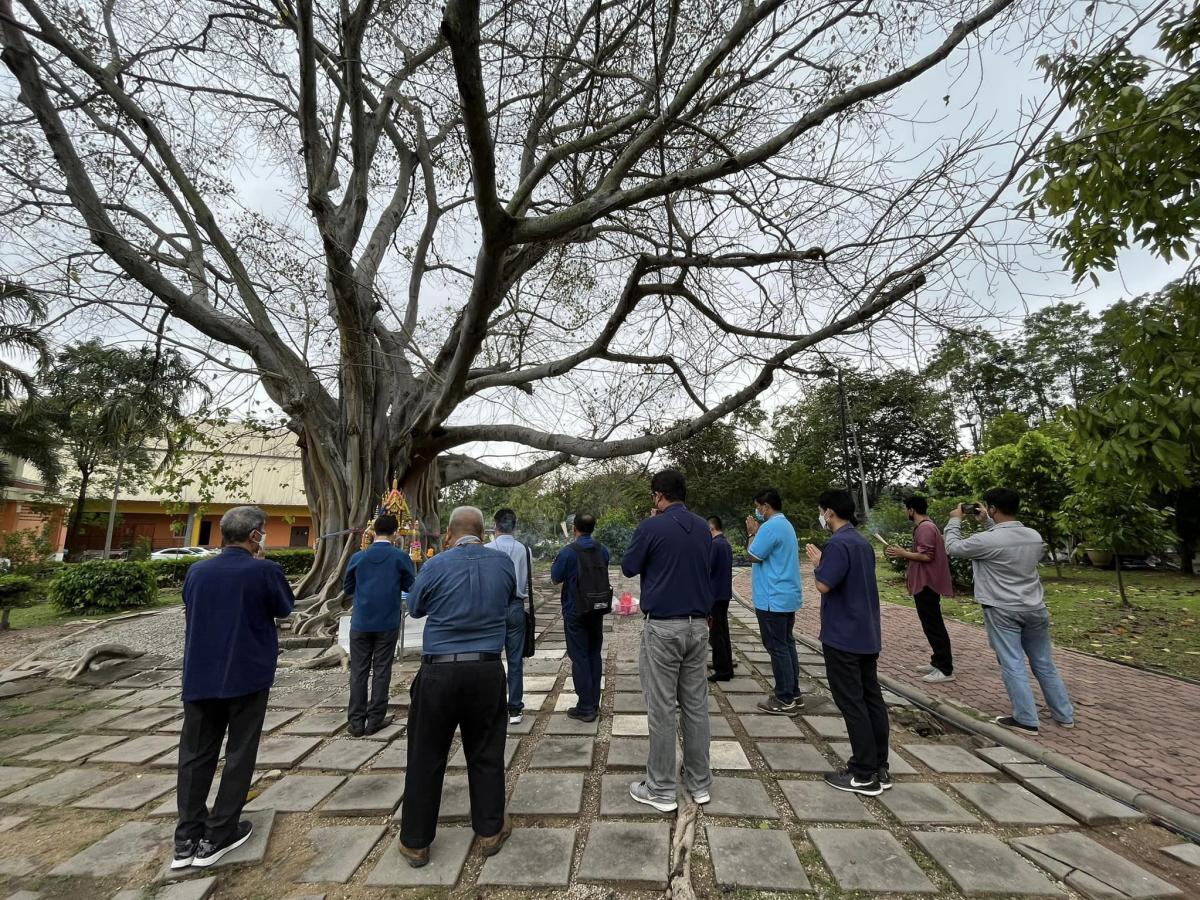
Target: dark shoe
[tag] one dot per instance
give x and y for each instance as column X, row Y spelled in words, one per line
column 415, row 858
column 884, row 777
column 380, row 725
column 208, row 854
column 777, row 707
column 844, row 781
column 490, row 846
column 713, row 679
column 576, row 713
column 1010, row 722
column 185, row 852
column 355, row 730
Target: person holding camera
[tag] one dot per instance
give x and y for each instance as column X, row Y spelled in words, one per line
column 1004, row 558
column 928, row 581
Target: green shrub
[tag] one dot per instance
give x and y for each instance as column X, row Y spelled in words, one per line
column 16, row 592
column 614, row 534
column 140, row 551
column 171, row 572
column 888, row 517
column 104, row 585
column 295, row 561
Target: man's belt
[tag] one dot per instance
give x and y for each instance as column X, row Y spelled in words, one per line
column 460, row 657
column 655, row 618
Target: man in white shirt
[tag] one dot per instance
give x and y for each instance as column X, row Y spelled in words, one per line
column 514, row 637
column 1004, row 559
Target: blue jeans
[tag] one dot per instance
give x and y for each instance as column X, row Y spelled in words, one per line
column 1015, row 636
column 514, row 647
column 778, row 640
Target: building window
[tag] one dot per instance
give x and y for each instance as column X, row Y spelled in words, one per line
column 205, row 534
column 299, row 536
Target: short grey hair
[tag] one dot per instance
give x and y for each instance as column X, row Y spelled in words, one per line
column 467, row 520
column 237, row 524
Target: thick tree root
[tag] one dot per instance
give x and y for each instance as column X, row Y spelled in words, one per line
column 101, row 653
column 334, row 656
column 36, row 662
column 316, row 616
column 682, row 840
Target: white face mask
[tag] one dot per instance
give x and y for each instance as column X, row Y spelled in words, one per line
column 821, row 518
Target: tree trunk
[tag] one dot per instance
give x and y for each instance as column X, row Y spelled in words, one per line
column 4, row 618
column 1125, row 604
column 1054, row 559
column 85, row 476
column 112, row 507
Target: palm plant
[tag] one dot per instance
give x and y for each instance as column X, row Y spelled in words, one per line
column 21, row 309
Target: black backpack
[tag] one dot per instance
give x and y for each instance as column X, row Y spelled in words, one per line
column 593, row 591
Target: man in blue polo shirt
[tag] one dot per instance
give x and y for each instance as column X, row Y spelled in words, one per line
column 375, row 578
column 851, row 641
column 672, row 552
column 230, row 649
column 775, row 579
column 464, row 592
column 584, row 631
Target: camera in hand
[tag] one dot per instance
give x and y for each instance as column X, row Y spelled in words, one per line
column 969, row 508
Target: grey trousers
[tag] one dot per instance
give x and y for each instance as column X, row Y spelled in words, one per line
column 674, row 658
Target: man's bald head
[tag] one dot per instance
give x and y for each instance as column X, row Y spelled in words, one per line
column 465, row 520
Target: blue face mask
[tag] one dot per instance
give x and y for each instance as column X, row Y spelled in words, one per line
column 758, row 515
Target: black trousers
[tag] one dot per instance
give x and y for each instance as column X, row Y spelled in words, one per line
column 205, row 723
column 585, row 649
column 718, row 639
column 929, row 611
column 469, row 696
column 854, row 683
column 371, row 656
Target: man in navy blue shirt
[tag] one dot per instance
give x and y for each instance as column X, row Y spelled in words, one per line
column 672, row 552
column 231, row 647
column 375, row 577
column 464, row 592
column 722, row 591
column 584, row 632
column 850, row 639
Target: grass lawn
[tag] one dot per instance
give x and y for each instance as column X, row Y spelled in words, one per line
column 1162, row 631
column 44, row 614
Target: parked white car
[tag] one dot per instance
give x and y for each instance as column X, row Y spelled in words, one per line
column 179, row 553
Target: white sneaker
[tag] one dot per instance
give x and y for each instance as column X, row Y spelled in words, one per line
column 514, row 719
column 639, row 792
column 924, row 670
column 702, row 797
column 937, row 676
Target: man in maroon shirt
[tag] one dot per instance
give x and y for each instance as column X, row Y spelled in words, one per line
column 928, row 581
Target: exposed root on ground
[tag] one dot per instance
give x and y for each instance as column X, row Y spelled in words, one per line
column 682, row 839
column 39, row 661
column 333, row 656
column 314, row 616
column 94, row 656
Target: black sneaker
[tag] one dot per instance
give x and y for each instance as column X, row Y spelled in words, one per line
column 844, row 781
column 575, row 713
column 355, row 731
column 207, row 854
column 375, row 727
column 777, row 707
column 713, row 679
column 884, row 777
column 185, row 852
column 1010, row 722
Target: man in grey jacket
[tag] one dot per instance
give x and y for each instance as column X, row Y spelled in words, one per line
column 1005, row 559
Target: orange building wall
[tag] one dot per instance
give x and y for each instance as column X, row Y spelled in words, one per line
column 18, row 516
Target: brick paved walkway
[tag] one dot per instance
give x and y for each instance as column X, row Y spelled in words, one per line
column 1134, row 725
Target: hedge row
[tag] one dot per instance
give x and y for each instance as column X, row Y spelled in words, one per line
column 104, row 585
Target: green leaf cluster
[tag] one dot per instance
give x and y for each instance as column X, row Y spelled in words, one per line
column 104, row 585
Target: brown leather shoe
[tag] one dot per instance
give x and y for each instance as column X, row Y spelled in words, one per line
column 415, row 858
column 490, row 846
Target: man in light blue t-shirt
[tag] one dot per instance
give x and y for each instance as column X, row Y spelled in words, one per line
column 775, row 577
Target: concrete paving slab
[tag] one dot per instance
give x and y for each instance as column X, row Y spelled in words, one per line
column 132, row 793
column 394, row 756
column 629, row 703
column 323, row 724
column 126, row 848
column 630, row 726
column 456, row 799
column 740, row 684
column 277, row 718
column 459, row 759
column 96, row 718
column 752, row 859
column 897, row 763
column 998, row 756
column 525, row 726
column 628, row 753
column 12, row 777
column 8, row 823
column 25, row 895
column 24, row 743
column 627, row 852
column 827, row 726
column 1092, row 868
column 745, row 703
column 615, row 799
column 1010, row 804
column 59, row 789
column 916, row 803
column 869, row 859
column 741, row 797
column 626, row 682
column 76, row 748
column 170, row 807
column 983, row 864
column 1186, row 853
column 390, row 733
column 300, row 700
column 340, row 851
column 815, row 801
column 366, row 795
column 547, row 794
column 563, row 753
column 30, row 721
column 540, row 684
column 284, row 752
column 532, row 857
column 296, row 793
column 949, row 759
column 719, row 727
column 1027, row 771
column 1082, row 803
column 341, row 755
column 446, row 858
column 138, row 750
column 140, row 720
column 561, row 723
column 793, row 756
column 255, row 849
column 194, row 889
column 728, row 755
column 151, row 697
column 16, row 866
column 146, row 679
column 767, row 726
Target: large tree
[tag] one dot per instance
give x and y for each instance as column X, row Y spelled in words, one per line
column 582, row 229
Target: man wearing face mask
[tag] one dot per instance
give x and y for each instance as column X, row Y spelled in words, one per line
column 230, row 604
column 775, row 581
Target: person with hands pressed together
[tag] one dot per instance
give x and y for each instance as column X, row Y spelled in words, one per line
column 851, row 640
column 928, row 581
column 775, row 582
column 1004, row 559
column 722, row 591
